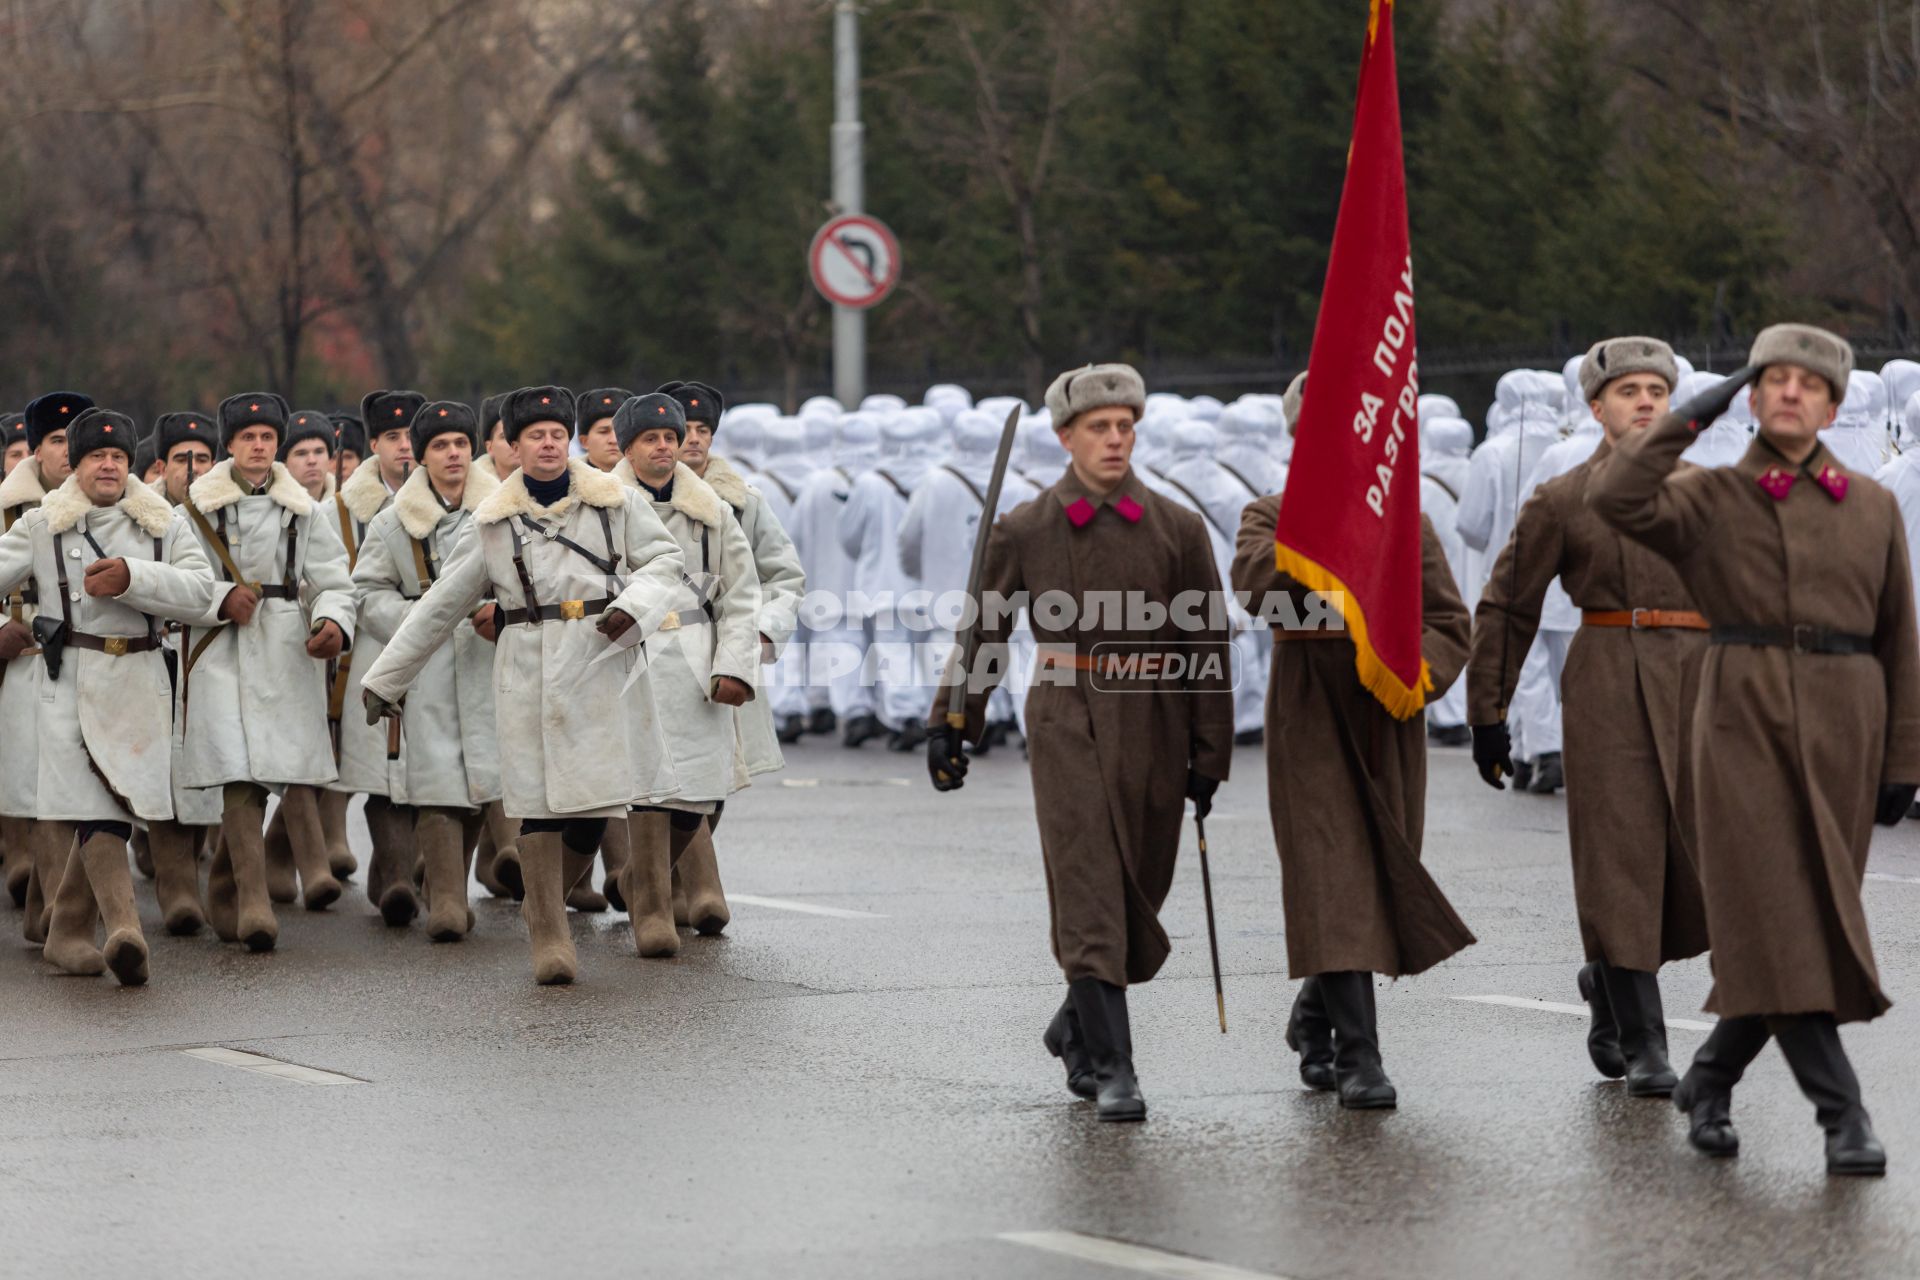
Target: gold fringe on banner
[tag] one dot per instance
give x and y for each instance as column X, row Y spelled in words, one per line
column 1387, row 688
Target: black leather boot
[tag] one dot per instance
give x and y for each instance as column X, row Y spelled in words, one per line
column 1635, row 997
column 862, row 729
column 1102, row 1010
column 822, row 720
column 1064, row 1041
column 909, row 738
column 1310, row 1035
column 1358, row 1076
column 1603, row 1033
column 1811, row 1045
column 1709, row 1118
column 1547, row 777
column 1522, row 776
column 787, row 729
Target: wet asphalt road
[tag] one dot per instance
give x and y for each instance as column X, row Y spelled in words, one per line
column 864, row 1093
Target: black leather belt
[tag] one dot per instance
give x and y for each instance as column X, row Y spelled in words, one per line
column 566, row 610
column 278, row 591
column 118, row 646
column 1801, row 637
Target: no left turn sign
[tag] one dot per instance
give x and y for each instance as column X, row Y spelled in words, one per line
column 855, row 261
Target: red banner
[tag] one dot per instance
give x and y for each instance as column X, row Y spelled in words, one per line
column 1349, row 524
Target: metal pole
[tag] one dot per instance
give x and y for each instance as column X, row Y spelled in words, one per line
column 849, row 195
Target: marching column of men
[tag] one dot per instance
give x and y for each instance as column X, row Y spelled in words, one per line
column 180, row 653
column 271, row 616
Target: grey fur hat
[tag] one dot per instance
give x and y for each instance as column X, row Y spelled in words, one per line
column 1827, row 354
column 642, row 413
column 1095, row 386
column 1612, row 358
column 1290, row 400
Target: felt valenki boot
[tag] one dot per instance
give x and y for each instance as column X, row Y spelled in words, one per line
column 245, row 850
column 649, row 886
column 142, row 853
column 16, row 840
column 176, row 876
column 545, row 909
column 70, row 931
column 104, row 858
column 698, row 870
column 52, row 844
column 308, row 836
column 439, row 836
column 283, row 876
column 390, row 875
column 581, row 895
column 615, row 852
column 333, row 822
column 505, row 833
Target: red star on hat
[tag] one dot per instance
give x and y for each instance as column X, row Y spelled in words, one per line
column 443, row 413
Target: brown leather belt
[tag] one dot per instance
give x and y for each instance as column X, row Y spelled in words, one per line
column 117, row 646
column 1110, row 665
column 1646, row 619
column 566, row 610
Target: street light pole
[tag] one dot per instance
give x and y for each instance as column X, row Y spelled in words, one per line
column 849, row 196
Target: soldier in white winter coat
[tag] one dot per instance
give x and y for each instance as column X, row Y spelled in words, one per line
column 703, row 665
column 445, row 768
column 108, row 558
column 582, row 571
column 42, row 848
column 254, row 676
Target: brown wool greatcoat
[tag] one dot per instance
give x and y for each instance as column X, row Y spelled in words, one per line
column 1788, row 750
column 1109, row 757
column 1625, row 695
column 1347, row 783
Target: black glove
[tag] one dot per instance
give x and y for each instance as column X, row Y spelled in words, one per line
column 1896, row 798
column 1704, row 408
column 1200, row 789
column 1492, row 753
column 946, row 758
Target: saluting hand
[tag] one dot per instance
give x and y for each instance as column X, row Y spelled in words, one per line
column 731, row 692
column 15, row 640
column 1706, row 407
column 108, row 577
column 1493, row 753
column 326, row 642
column 239, row 605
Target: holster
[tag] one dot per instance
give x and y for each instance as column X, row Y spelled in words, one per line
column 51, row 635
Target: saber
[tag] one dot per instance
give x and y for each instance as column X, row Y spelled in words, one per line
column 957, row 689
column 1213, row 936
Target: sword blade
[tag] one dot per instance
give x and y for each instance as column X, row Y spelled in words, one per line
column 957, row 690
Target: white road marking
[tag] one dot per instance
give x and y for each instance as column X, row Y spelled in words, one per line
column 805, row 908
column 1579, row 1010
column 268, row 1066
column 1892, row 879
column 845, row 782
column 1131, row 1257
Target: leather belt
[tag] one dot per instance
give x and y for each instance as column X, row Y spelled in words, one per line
column 276, row 591
column 1109, row 665
column 1647, row 619
column 1801, row 637
column 565, row 611
column 116, row 646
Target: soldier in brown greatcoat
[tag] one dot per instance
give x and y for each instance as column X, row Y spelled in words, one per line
column 1625, row 692
column 1347, row 792
column 1115, row 757
column 1806, row 728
